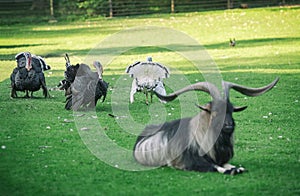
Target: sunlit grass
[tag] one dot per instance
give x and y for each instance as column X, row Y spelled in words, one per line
column 43, row 154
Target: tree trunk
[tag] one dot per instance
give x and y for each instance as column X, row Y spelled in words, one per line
column 51, row 9
column 229, row 4
column 110, row 8
column 172, row 6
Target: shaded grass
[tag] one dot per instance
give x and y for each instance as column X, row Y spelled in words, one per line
column 45, row 155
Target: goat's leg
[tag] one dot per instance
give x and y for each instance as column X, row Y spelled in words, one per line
column 229, row 166
column 229, row 169
column 191, row 161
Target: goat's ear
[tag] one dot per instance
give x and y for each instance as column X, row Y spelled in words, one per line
column 206, row 107
column 239, row 109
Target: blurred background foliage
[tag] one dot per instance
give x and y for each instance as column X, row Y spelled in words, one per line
column 68, row 9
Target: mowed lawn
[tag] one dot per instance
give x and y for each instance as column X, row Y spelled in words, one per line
column 43, row 150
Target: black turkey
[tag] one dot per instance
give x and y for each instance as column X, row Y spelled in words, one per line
column 232, row 42
column 28, row 76
column 83, row 87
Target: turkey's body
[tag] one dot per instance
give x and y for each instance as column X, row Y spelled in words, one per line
column 148, row 77
column 26, row 80
column 83, row 87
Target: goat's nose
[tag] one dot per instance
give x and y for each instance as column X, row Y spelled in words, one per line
column 229, row 125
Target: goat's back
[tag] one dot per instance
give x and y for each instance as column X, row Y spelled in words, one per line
column 154, row 145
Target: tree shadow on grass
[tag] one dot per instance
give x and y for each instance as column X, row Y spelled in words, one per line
column 148, row 49
column 19, row 46
column 167, row 48
column 251, row 42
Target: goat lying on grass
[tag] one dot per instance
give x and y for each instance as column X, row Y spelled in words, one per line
column 201, row 143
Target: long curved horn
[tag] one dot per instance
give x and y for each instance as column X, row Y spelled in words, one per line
column 247, row 90
column 200, row 86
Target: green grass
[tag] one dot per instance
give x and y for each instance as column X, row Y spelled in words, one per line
column 44, row 155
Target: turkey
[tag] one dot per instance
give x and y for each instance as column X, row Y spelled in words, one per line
column 148, row 77
column 28, row 76
column 232, row 42
column 83, row 87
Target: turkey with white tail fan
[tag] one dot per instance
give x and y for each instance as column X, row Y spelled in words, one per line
column 147, row 77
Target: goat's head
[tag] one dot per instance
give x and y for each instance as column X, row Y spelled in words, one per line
column 220, row 108
column 214, row 107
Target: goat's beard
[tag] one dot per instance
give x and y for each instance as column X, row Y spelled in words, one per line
column 223, row 148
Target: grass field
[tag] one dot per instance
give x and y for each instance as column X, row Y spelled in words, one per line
column 42, row 151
